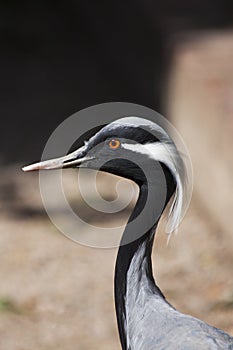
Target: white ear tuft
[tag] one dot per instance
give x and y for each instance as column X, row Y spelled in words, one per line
column 167, row 153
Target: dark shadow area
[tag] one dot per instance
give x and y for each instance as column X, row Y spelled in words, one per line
column 59, row 57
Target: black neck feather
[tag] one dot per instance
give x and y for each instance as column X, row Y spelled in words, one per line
column 126, row 253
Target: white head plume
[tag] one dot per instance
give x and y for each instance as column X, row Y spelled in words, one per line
column 178, row 162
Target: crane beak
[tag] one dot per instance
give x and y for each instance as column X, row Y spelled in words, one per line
column 71, row 160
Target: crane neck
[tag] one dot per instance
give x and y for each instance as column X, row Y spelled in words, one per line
column 134, row 263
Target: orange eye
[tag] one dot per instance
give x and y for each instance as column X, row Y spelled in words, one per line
column 114, row 144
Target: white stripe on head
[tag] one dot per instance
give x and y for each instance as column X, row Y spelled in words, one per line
column 167, row 154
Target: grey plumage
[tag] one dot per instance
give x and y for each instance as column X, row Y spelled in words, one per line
column 152, row 323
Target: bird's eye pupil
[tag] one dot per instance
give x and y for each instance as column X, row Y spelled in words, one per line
column 114, row 144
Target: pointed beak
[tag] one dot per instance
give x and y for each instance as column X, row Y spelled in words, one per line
column 71, row 160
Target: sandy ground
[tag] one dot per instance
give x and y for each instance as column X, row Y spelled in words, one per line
column 56, row 294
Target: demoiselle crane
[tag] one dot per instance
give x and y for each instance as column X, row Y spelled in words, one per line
column 142, row 151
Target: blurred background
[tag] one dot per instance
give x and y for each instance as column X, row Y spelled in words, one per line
column 58, row 58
